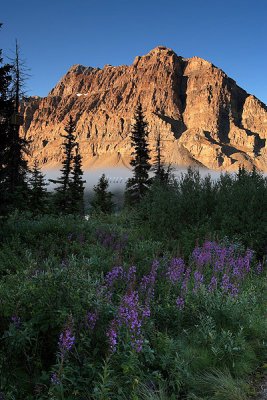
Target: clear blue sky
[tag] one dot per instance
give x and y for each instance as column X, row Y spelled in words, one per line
column 55, row 34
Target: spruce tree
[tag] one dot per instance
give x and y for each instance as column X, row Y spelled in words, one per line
column 102, row 201
column 14, row 167
column 63, row 192
column 138, row 185
column 161, row 175
column 77, row 184
column 6, row 111
column 38, row 197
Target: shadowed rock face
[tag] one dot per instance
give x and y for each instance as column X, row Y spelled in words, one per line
column 204, row 118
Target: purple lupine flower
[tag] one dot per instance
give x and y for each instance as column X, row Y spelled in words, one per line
column 225, row 284
column 148, row 282
column 198, row 278
column 138, row 345
column 16, row 321
column 150, row 279
column 146, row 312
column 247, row 259
column 131, row 275
column 128, row 311
column 112, row 336
column 66, row 340
column 203, row 255
column 55, row 379
column 175, row 270
column 91, row 319
column 213, row 284
column 186, row 279
column 233, row 290
column 259, row 268
column 180, row 303
column 113, row 275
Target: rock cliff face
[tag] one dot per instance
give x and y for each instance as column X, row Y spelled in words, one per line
column 204, row 118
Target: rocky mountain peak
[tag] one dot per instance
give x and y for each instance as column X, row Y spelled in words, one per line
column 204, row 117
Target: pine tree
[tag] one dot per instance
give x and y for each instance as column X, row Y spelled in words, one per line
column 138, row 185
column 14, row 167
column 102, row 201
column 77, row 184
column 63, row 193
column 161, row 175
column 38, row 198
column 6, row 111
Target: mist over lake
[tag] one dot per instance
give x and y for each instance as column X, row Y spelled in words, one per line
column 117, row 178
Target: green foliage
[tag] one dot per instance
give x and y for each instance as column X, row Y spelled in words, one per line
column 77, row 184
column 161, row 175
column 138, row 185
column 38, row 195
column 219, row 385
column 192, row 209
column 53, row 275
column 68, row 197
column 102, row 201
column 13, row 165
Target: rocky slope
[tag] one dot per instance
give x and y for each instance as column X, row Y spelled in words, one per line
column 204, row 118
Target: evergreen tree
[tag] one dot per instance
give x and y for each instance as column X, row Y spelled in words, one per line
column 38, row 199
column 161, row 175
column 13, row 166
column 102, row 201
column 63, row 192
column 77, row 184
column 6, row 111
column 138, row 185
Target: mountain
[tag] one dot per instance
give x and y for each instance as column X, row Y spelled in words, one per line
column 204, row 117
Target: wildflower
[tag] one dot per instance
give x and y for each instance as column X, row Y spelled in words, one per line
column 138, row 345
column 233, row 290
column 91, row 319
column 247, row 259
column 146, row 312
column 186, row 279
column 225, row 284
column 150, row 279
column 112, row 336
column 16, row 321
column 259, row 268
column 198, row 277
column 66, row 340
column 113, row 275
column 180, row 303
column 131, row 275
column 55, row 379
column 213, row 284
column 176, row 270
column 128, row 312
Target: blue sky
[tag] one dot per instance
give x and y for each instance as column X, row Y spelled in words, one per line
column 55, row 34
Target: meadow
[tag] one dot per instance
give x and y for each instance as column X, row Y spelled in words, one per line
column 166, row 300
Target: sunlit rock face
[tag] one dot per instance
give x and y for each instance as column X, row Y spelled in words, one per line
column 203, row 117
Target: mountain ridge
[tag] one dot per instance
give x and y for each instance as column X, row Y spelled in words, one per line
column 204, row 117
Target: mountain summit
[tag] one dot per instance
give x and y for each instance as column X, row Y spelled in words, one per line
column 203, row 116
